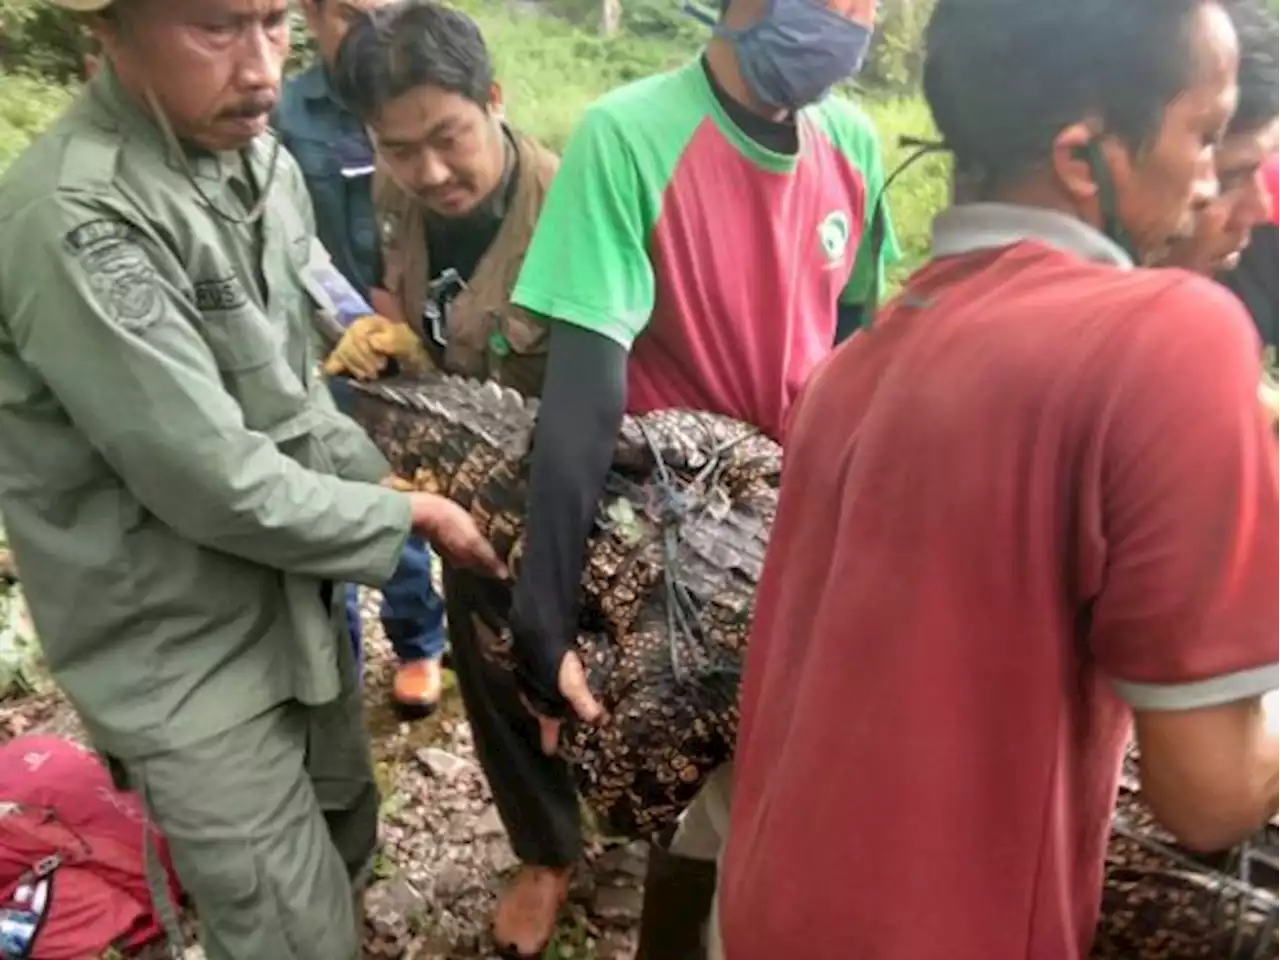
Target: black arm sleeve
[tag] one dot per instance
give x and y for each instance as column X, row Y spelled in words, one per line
column 583, row 400
column 848, row 320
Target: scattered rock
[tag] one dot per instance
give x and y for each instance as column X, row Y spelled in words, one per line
column 628, row 860
column 443, row 764
column 444, row 851
column 489, row 824
column 618, row 905
column 501, row 856
column 451, row 880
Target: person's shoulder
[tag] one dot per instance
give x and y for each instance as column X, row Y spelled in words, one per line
column 845, row 124
column 73, row 162
column 841, row 114
column 292, row 109
column 1175, row 306
column 545, row 160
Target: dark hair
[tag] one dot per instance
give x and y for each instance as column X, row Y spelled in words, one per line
column 1004, row 77
column 415, row 43
column 1258, row 78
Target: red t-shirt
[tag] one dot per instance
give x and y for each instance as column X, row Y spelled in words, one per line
column 1038, row 482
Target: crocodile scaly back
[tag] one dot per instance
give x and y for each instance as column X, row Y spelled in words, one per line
column 668, row 584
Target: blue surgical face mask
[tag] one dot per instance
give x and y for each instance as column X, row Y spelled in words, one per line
column 794, row 54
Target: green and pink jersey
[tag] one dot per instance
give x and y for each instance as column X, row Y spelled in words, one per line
column 718, row 263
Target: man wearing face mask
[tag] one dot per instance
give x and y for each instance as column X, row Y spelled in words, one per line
column 336, row 158
column 699, row 248
column 182, row 497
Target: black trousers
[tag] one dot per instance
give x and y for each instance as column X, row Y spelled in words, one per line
column 535, row 794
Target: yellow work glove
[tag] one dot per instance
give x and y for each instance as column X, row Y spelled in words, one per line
column 370, row 342
column 400, row 342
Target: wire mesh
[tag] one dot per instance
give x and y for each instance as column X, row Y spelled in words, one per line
column 1163, row 902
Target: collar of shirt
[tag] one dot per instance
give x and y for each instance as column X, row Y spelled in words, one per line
column 970, row 227
column 126, row 115
column 780, row 136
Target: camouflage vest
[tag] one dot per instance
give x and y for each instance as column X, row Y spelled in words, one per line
column 489, row 338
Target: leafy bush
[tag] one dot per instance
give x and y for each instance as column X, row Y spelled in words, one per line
column 37, row 38
column 27, row 104
column 550, row 71
column 923, row 188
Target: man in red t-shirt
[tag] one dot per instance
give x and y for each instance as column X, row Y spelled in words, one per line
column 1036, row 500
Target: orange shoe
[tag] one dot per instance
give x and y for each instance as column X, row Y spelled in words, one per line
column 529, row 909
column 416, row 690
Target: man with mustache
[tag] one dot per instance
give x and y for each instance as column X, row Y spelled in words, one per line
column 183, row 498
column 699, row 248
column 333, row 150
column 1030, row 510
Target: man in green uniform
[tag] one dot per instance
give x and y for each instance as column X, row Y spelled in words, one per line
column 181, row 495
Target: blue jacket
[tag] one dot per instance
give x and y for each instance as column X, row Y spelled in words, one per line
column 333, row 149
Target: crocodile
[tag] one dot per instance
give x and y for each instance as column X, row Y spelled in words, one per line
column 668, row 584
column 1162, row 902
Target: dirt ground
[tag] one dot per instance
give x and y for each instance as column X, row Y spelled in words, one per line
column 444, row 852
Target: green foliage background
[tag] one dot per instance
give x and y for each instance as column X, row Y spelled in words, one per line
column 552, row 62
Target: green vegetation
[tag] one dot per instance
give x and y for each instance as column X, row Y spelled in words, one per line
column 552, row 62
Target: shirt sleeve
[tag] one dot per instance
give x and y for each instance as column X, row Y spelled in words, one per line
column 101, row 316
column 588, row 262
column 1187, row 612
column 878, row 248
column 573, row 444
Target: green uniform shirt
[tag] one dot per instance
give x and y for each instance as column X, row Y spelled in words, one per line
column 175, row 481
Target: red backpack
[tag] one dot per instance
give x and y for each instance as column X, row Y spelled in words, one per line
column 72, row 856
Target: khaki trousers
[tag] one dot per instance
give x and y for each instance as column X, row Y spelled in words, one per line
column 701, row 835
column 271, row 825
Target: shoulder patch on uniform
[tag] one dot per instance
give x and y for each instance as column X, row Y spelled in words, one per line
column 119, row 272
column 96, row 231
column 215, row 295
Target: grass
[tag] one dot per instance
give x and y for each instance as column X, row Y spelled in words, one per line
column 550, row 70
column 27, row 104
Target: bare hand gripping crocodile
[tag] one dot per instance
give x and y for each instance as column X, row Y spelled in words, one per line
column 668, row 585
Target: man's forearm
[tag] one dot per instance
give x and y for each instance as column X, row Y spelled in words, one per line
column 1209, row 775
column 582, row 407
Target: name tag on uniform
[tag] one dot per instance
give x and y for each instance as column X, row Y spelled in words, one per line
column 338, row 303
column 355, row 156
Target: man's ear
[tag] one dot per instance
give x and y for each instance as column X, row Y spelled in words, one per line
column 496, row 108
column 1074, row 151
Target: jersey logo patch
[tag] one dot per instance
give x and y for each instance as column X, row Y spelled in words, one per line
column 833, row 237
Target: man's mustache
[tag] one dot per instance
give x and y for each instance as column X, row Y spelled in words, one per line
column 250, row 109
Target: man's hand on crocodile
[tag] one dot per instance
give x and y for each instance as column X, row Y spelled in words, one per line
column 572, row 684
column 370, row 342
column 452, row 532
